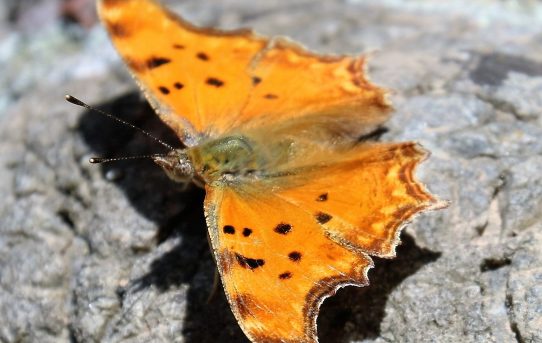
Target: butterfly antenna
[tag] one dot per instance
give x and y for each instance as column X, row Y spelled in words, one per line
column 105, row 160
column 78, row 102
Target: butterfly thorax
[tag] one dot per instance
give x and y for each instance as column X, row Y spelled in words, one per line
column 228, row 157
column 224, row 159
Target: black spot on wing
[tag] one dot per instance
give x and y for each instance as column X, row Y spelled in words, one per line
column 294, row 256
column 155, row 62
column 285, row 276
column 212, row 81
column 178, row 46
column 322, row 217
column 178, row 85
column 249, row 263
column 247, row 232
column 322, row 197
column 228, row 229
column 163, row 90
column 202, row 56
column 271, row 96
column 256, row 80
column 283, row 228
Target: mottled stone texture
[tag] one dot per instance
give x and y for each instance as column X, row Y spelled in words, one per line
column 118, row 253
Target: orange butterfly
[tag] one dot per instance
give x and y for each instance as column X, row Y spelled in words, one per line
column 295, row 204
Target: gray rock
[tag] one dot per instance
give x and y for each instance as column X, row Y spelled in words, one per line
column 118, row 253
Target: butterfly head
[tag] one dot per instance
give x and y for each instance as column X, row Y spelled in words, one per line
column 177, row 165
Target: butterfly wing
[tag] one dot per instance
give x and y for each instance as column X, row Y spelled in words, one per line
column 276, row 264
column 207, row 82
column 296, row 83
column 282, row 247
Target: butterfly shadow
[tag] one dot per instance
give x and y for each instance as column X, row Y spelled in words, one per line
column 356, row 313
column 178, row 212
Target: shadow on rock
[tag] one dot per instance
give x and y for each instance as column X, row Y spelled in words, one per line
column 356, row 313
column 180, row 212
column 146, row 186
column 176, row 211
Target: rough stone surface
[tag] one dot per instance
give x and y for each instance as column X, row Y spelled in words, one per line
column 118, row 253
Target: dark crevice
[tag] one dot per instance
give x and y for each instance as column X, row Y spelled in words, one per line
column 66, row 218
column 490, row 264
column 72, row 330
column 71, row 334
column 120, row 292
column 515, row 330
column 513, row 325
column 480, row 229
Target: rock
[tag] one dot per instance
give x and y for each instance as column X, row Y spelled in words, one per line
column 118, row 252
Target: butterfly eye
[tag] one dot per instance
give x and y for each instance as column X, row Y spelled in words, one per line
column 185, row 167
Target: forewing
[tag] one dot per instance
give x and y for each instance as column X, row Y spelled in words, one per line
column 193, row 77
column 206, row 82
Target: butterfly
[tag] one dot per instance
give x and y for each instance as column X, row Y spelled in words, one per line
column 295, row 204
